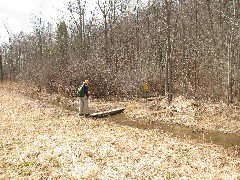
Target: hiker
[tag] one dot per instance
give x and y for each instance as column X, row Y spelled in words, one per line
column 83, row 99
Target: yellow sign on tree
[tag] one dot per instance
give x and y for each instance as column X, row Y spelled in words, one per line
column 146, row 87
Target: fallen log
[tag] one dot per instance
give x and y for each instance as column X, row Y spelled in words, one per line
column 107, row 113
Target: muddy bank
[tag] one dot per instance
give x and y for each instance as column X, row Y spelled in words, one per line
column 178, row 130
column 207, row 121
column 39, row 140
column 182, row 131
column 198, row 115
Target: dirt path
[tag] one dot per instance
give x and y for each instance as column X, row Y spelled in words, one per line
column 39, row 140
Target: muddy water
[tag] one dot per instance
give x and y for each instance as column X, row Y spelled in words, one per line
column 182, row 131
column 219, row 138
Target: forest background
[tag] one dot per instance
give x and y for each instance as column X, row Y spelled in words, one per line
column 185, row 47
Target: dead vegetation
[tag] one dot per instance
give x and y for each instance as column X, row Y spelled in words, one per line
column 39, row 140
column 200, row 115
column 196, row 114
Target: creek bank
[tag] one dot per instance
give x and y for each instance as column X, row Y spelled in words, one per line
column 198, row 115
column 180, row 119
column 182, row 131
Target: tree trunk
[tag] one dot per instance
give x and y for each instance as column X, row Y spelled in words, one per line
column 105, row 17
column 230, row 97
column 184, row 64
column 230, row 56
column 238, row 76
column 211, row 20
column 196, row 53
column 1, row 68
column 168, row 65
column 106, row 38
column 81, row 29
column 40, row 64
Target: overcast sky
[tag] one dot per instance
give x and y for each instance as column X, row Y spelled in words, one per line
column 17, row 15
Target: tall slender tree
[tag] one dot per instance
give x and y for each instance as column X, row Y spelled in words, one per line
column 1, row 67
column 62, row 43
column 168, row 65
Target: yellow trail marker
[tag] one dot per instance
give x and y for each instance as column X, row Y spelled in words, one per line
column 145, row 87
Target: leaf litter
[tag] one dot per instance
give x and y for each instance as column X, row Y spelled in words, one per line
column 39, row 140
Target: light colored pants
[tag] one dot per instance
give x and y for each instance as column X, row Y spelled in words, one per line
column 83, row 105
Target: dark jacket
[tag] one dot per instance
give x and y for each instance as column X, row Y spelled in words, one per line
column 86, row 89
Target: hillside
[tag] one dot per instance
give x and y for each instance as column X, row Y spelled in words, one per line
column 41, row 140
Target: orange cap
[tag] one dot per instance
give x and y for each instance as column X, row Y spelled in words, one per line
column 87, row 81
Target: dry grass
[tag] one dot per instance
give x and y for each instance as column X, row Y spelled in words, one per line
column 42, row 141
column 199, row 115
column 196, row 114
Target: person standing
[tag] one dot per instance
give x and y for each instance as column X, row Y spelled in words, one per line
column 83, row 95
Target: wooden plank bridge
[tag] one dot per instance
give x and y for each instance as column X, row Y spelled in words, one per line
column 107, row 113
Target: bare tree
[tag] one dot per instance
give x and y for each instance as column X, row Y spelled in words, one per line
column 183, row 43
column 168, row 65
column 229, row 43
column 79, row 36
column 191, row 44
column 105, row 10
column 1, row 67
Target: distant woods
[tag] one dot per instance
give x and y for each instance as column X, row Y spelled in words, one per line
column 184, row 47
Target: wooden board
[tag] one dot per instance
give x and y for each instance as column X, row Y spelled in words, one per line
column 107, row 113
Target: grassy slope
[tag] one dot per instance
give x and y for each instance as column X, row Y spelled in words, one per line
column 38, row 140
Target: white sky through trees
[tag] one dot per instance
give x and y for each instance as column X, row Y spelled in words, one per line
column 18, row 15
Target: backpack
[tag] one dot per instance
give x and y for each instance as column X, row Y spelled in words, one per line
column 80, row 91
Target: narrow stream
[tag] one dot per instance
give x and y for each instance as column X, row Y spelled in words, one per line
column 182, row 131
column 176, row 130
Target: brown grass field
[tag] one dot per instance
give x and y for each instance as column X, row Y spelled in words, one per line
column 39, row 140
